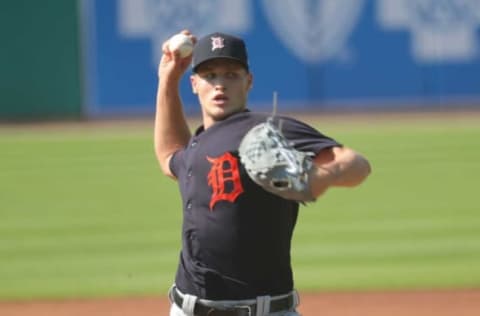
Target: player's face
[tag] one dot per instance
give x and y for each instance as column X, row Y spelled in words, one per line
column 222, row 86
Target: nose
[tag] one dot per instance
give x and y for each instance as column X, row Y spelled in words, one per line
column 219, row 81
column 219, row 85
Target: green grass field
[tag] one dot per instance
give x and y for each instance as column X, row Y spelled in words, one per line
column 86, row 212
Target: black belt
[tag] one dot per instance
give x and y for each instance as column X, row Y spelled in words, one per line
column 276, row 305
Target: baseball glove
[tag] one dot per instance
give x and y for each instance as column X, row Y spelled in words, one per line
column 272, row 162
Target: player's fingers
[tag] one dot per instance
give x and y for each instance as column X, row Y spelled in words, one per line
column 165, row 48
column 171, row 55
column 189, row 34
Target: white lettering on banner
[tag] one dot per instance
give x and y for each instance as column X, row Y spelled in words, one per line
column 442, row 30
column 159, row 19
column 314, row 30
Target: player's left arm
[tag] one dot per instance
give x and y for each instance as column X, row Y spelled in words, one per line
column 338, row 167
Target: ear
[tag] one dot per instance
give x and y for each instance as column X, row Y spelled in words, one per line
column 250, row 81
column 193, row 82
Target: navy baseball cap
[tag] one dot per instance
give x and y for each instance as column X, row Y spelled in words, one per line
column 219, row 45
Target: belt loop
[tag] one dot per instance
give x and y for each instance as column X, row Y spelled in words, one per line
column 170, row 293
column 296, row 298
column 263, row 305
column 188, row 305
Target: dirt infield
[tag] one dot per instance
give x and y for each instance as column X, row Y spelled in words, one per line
column 414, row 303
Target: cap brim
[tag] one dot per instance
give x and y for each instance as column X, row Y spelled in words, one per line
column 241, row 62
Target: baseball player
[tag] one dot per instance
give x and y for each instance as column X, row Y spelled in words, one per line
column 238, row 222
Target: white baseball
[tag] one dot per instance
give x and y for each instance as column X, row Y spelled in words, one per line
column 181, row 43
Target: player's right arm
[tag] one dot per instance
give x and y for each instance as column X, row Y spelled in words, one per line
column 171, row 131
column 338, row 166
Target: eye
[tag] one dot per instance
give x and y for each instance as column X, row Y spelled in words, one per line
column 209, row 75
column 231, row 75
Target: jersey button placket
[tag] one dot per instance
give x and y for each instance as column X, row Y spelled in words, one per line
column 189, row 173
column 189, row 204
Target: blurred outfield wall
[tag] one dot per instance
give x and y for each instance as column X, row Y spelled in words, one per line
column 39, row 59
column 318, row 54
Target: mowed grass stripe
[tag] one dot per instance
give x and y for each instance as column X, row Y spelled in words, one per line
column 451, row 272
column 396, row 224
column 436, row 246
column 116, row 260
column 63, row 225
column 128, row 240
column 106, row 283
column 360, row 236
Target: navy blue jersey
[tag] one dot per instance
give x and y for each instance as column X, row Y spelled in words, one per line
column 236, row 236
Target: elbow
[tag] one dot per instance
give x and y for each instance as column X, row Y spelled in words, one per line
column 367, row 171
column 364, row 169
column 356, row 173
column 368, row 168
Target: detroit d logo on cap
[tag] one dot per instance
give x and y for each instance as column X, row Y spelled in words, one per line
column 217, row 42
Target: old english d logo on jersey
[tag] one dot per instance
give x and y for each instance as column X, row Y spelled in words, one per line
column 224, row 178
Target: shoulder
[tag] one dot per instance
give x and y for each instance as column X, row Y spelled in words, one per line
column 291, row 124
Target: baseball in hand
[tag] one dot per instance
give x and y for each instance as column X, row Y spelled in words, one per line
column 181, row 43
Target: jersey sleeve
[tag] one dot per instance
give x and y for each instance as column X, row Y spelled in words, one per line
column 176, row 162
column 305, row 137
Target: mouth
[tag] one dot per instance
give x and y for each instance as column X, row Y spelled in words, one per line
column 220, row 99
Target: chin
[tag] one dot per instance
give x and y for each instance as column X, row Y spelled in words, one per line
column 220, row 113
column 220, row 116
